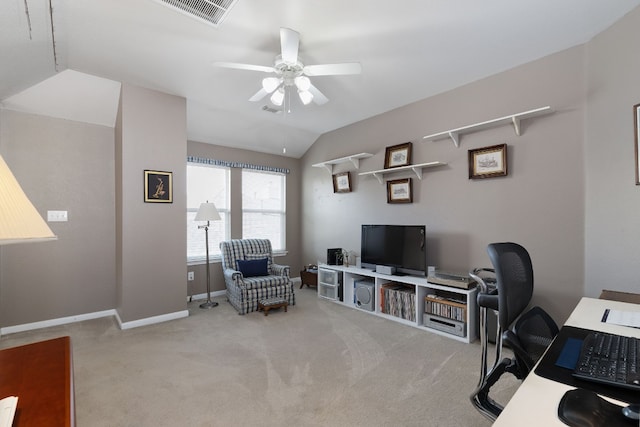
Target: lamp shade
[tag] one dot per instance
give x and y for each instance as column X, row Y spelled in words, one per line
column 270, row 84
column 305, row 97
column 19, row 219
column 278, row 97
column 303, row 83
column 207, row 212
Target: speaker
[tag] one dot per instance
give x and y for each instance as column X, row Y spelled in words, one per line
column 385, row 269
column 364, row 294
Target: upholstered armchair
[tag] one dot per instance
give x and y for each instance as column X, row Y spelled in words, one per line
column 250, row 274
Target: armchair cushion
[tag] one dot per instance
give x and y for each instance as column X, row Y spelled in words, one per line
column 253, row 268
column 267, row 255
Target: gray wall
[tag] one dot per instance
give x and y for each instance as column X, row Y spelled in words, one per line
column 612, row 198
column 151, row 242
column 61, row 165
column 570, row 197
column 540, row 204
column 107, row 254
column 293, row 191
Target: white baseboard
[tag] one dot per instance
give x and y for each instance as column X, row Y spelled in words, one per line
column 56, row 322
column 204, row 295
column 151, row 320
column 89, row 316
column 106, row 313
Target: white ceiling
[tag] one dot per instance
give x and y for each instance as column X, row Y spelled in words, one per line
column 409, row 50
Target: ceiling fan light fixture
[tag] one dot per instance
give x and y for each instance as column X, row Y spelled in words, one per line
column 302, row 83
column 270, row 84
column 305, row 96
column 288, row 71
column 278, row 97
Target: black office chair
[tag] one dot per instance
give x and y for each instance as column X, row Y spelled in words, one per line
column 507, row 289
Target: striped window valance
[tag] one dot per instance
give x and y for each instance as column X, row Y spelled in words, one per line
column 225, row 163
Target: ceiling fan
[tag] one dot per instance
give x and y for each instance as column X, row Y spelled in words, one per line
column 291, row 74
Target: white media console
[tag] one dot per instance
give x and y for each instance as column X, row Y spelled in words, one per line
column 409, row 300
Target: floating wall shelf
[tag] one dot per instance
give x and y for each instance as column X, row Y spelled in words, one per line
column 515, row 119
column 417, row 169
column 355, row 159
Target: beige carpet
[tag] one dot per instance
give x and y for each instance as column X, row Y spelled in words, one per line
column 320, row 364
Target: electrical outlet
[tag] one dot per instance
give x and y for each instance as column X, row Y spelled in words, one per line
column 190, row 276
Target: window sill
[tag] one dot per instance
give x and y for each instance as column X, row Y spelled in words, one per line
column 214, row 259
column 203, row 260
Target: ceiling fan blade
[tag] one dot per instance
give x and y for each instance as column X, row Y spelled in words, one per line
column 333, row 69
column 259, row 95
column 289, row 43
column 318, row 97
column 247, row 67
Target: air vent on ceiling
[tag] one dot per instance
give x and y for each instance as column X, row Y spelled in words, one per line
column 209, row 11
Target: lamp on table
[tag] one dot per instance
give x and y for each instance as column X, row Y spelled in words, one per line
column 20, row 222
column 207, row 212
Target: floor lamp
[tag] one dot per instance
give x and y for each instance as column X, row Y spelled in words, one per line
column 207, row 212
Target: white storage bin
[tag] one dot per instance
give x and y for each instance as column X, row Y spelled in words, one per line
column 328, row 277
column 328, row 291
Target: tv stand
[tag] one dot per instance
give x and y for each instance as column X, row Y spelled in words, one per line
column 453, row 309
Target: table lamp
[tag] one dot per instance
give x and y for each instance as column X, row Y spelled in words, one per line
column 20, row 222
column 207, row 212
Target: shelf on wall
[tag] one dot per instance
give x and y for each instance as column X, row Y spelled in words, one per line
column 355, row 159
column 417, row 169
column 515, row 119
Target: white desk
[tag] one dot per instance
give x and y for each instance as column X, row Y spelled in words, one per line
column 535, row 403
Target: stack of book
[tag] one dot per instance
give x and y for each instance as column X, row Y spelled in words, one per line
column 398, row 300
column 449, row 308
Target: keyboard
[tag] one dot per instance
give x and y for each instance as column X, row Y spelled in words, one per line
column 609, row 359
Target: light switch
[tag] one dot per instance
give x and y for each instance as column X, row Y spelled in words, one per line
column 57, row 216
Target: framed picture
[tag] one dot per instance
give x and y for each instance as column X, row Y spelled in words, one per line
column 397, row 155
column 399, row 191
column 158, row 186
column 636, row 129
column 488, row 162
column 342, row 182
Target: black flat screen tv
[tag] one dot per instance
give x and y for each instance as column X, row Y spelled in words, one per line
column 399, row 246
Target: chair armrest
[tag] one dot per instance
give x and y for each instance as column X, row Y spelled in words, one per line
column 232, row 275
column 280, row 270
column 485, row 278
column 488, row 295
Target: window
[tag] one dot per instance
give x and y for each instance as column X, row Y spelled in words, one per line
column 205, row 182
column 263, row 207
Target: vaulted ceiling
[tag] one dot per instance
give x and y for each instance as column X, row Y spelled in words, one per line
column 66, row 58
